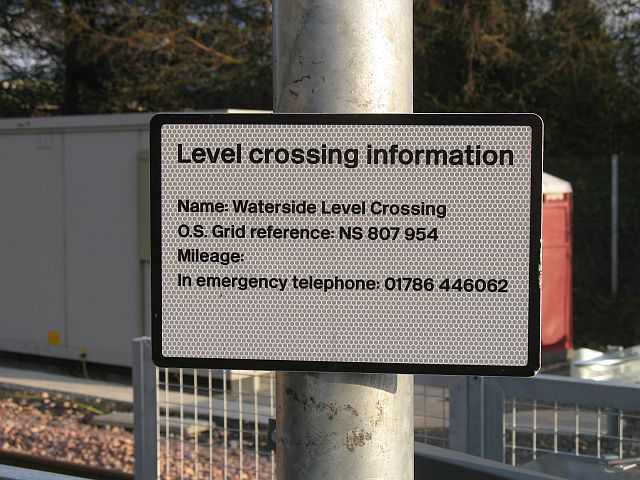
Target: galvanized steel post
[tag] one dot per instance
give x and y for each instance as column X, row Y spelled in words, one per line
column 614, row 224
column 143, row 373
column 337, row 56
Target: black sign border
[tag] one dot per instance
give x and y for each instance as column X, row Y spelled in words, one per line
column 453, row 119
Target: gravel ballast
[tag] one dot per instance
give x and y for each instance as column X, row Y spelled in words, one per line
column 57, row 426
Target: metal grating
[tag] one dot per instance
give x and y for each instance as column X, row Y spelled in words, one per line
column 533, row 428
column 431, row 415
column 214, row 424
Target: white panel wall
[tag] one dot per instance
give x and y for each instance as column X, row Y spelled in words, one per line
column 69, row 258
column 103, row 268
column 32, row 279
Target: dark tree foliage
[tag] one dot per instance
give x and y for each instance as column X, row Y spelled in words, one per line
column 575, row 62
column 99, row 56
column 29, row 76
column 563, row 61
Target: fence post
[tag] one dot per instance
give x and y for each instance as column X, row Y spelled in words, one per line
column 612, row 423
column 475, row 416
column 485, row 418
column 614, row 224
column 458, row 414
column 143, row 373
column 493, row 420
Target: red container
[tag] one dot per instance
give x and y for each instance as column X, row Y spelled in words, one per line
column 557, row 251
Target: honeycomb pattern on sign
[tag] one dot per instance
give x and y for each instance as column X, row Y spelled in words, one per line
column 485, row 234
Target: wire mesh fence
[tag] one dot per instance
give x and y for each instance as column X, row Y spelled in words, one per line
column 214, row 424
column 533, row 428
column 219, row 424
column 431, row 415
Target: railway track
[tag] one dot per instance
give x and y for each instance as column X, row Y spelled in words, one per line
column 34, row 462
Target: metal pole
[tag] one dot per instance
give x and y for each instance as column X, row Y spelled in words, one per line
column 144, row 409
column 612, row 414
column 614, row 224
column 338, row 56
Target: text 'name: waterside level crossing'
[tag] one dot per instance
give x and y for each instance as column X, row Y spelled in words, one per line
column 305, row 207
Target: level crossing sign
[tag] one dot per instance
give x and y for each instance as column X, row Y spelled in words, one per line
column 366, row 243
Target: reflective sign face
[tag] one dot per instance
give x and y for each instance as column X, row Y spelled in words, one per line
column 374, row 243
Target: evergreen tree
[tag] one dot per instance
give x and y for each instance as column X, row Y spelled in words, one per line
column 100, row 56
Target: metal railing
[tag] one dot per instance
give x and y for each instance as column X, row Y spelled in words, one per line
column 219, row 423
column 559, row 414
column 214, row 424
